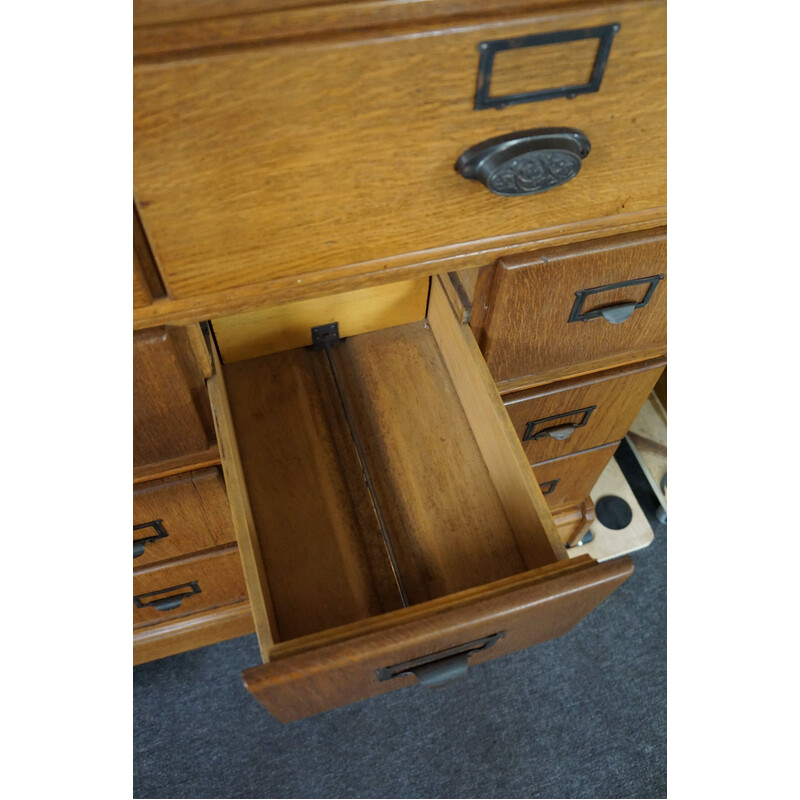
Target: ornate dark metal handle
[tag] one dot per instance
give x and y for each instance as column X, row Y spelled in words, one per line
column 526, row 162
column 560, row 432
column 170, row 602
column 440, row 669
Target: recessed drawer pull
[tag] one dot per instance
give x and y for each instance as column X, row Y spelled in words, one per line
column 525, row 162
column 618, row 312
column 439, row 669
column 139, row 544
column 558, row 432
column 170, row 602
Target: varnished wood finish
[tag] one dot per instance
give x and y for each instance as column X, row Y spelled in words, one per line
column 218, row 574
column 179, row 26
column 171, row 413
column 575, row 475
column 285, row 327
column 495, row 436
column 472, row 255
column 147, row 284
column 585, row 368
column 187, row 633
column 193, row 509
column 241, row 511
column 176, row 466
column 232, row 170
column 529, row 609
column 526, row 330
column 617, row 396
column 448, row 525
column 316, row 528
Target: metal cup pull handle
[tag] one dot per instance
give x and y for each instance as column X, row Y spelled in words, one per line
column 560, row 432
column 140, row 544
column 440, row 669
column 617, row 314
column 525, row 162
column 169, row 602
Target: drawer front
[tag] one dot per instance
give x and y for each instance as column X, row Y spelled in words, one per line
column 570, row 416
column 465, row 630
column 171, row 412
column 547, row 309
column 183, row 514
column 568, row 480
column 197, row 584
column 332, row 142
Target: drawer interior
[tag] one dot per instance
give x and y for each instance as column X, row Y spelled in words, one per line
column 449, row 504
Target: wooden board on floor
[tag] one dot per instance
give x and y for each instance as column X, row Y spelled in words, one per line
column 648, row 440
column 608, row 543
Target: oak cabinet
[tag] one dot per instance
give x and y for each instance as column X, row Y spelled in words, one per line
column 387, row 506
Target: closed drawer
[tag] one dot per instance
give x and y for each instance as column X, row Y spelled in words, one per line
column 568, row 480
column 179, row 515
column 569, row 416
column 446, row 555
column 171, row 413
column 240, row 155
column 546, row 310
column 197, row 584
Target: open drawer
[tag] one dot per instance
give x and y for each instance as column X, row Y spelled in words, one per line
column 389, row 524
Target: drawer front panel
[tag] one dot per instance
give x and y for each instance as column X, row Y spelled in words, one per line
column 190, row 586
column 489, row 623
column 176, row 516
column 565, row 307
column 568, row 481
column 569, row 416
column 333, row 142
column 171, row 412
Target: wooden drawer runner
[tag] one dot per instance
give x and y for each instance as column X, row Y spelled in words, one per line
column 179, row 515
column 344, row 581
column 578, row 414
column 545, row 310
column 348, row 145
column 568, row 480
column 196, row 584
column 171, row 413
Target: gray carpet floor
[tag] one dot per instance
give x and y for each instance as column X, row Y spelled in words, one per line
column 583, row 716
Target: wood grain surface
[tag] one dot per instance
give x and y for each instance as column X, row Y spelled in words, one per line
column 241, row 510
column 186, row 633
column 171, row 413
column 284, row 327
column 574, row 475
column 528, row 609
column 163, row 27
column 317, row 531
column 218, row 574
column 522, row 499
column 448, row 525
column 193, row 509
column 617, row 396
column 240, row 156
column 147, row 284
column 525, row 329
